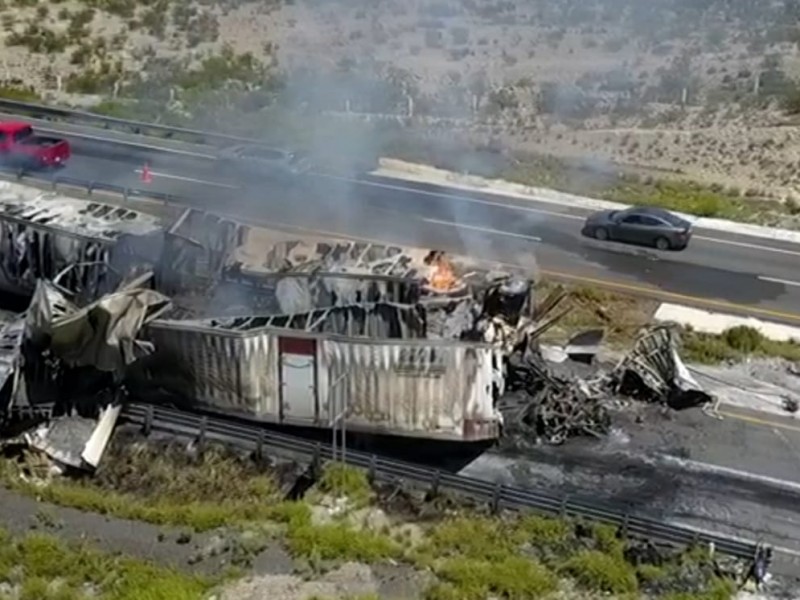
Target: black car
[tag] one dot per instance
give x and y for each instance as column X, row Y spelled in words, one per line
column 263, row 161
column 641, row 225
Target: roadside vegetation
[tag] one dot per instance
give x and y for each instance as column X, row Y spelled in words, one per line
column 39, row 566
column 471, row 554
column 622, row 316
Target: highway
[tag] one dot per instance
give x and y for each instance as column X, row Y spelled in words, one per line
column 718, row 271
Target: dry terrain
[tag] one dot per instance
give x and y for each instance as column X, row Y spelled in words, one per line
column 697, row 90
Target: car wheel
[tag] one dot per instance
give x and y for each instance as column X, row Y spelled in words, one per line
column 601, row 233
column 662, row 243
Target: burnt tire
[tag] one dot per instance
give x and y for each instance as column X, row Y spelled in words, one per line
column 662, row 243
column 601, row 233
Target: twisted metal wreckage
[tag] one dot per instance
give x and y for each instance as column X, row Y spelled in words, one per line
column 215, row 313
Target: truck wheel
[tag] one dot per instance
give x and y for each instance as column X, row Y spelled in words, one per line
column 601, row 233
column 662, row 243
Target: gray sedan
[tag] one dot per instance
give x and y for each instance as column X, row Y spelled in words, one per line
column 263, row 161
column 640, row 225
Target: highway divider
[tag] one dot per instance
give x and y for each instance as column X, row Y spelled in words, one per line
column 52, row 113
column 257, row 439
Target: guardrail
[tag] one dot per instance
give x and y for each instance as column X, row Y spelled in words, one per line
column 91, row 186
column 251, row 437
column 51, row 113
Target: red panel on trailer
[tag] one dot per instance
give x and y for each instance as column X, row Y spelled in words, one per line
column 304, row 346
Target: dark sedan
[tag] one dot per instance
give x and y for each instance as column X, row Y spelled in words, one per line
column 267, row 162
column 640, row 225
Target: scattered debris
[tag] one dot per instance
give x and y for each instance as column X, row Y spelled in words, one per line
column 654, row 372
column 458, row 325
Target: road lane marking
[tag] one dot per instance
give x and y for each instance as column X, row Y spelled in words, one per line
column 746, row 245
column 482, row 229
column 691, row 300
column 782, row 281
column 189, row 179
column 759, row 421
column 539, row 210
column 402, row 188
column 131, row 143
column 632, row 289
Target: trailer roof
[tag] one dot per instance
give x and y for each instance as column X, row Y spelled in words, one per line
column 76, row 217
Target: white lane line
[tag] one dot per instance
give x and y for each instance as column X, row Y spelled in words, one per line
column 189, row 179
column 746, row 245
column 542, row 211
column 482, row 229
column 401, row 188
column 131, row 143
column 782, row 281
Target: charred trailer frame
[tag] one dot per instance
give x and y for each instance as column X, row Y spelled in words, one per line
column 442, row 390
column 85, row 247
column 202, row 270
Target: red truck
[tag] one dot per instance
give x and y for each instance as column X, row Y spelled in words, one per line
column 21, row 147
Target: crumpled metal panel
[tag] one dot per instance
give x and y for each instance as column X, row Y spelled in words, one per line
column 422, row 388
column 92, row 246
column 380, row 321
column 441, row 390
column 12, row 334
column 230, row 372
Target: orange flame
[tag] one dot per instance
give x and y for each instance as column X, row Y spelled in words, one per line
column 442, row 276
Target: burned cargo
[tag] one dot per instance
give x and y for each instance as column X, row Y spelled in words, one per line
column 438, row 389
column 83, row 247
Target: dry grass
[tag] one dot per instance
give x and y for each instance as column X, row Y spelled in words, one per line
column 530, row 75
column 472, row 554
column 40, row 567
column 622, row 316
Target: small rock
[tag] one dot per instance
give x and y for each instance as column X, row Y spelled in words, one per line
column 184, row 538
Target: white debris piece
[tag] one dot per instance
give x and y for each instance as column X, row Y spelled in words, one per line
column 715, row 323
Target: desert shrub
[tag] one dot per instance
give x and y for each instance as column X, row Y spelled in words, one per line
column 514, row 577
column 596, row 570
column 743, row 339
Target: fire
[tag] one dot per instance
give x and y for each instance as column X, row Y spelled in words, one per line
column 442, row 276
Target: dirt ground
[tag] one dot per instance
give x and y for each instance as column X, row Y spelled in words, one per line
column 486, row 68
column 273, row 574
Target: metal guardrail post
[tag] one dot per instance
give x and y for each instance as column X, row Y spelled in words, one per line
column 201, row 438
column 316, row 462
column 435, row 483
column 625, row 520
column 372, row 472
column 147, row 426
column 497, row 494
column 259, row 452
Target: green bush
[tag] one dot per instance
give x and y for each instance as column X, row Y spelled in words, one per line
column 339, row 542
column 743, row 339
column 23, row 94
column 513, row 577
column 599, row 571
column 342, row 480
column 44, row 559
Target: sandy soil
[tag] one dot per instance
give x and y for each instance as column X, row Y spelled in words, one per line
column 470, row 59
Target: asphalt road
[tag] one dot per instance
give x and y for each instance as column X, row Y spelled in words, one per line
column 718, row 271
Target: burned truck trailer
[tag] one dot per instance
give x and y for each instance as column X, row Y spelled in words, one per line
column 84, row 247
column 436, row 389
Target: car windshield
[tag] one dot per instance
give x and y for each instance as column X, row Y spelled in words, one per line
column 262, row 153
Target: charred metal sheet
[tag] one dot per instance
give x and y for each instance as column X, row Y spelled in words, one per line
column 439, row 389
column 104, row 334
column 196, row 249
column 653, row 371
column 12, row 334
column 88, row 246
column 540, row 405
column 377, row 321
